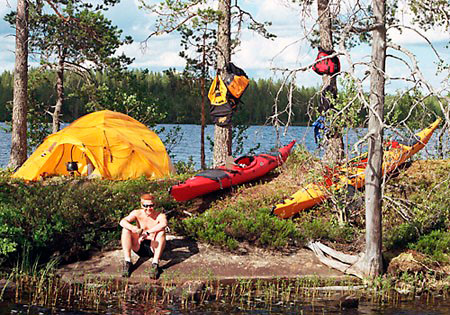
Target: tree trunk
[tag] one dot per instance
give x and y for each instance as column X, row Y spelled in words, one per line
column 203, row 119
column 334, row 151
column 18, row 153
column 373, row 265
column 202, row 129
column 222, row 135
column 59, row 93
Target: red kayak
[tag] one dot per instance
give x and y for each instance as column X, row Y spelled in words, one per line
column 244, row 169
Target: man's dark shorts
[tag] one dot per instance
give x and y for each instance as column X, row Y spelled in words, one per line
column 145, row 249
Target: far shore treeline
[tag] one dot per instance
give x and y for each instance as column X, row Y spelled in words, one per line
column 175, row 96
column 167, row 97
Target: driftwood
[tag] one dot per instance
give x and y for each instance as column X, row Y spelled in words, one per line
column 349, row 264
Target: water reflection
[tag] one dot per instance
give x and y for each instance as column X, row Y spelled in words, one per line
column 416, row 307
column 422, row 306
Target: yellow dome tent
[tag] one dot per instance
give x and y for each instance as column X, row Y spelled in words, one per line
column 107, row 144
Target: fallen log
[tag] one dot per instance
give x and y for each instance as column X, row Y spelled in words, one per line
column 345, row 263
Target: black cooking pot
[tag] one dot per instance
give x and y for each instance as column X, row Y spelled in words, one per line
column 72, row 166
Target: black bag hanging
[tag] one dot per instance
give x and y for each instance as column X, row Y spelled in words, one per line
column 236, row 81
column 221, row 115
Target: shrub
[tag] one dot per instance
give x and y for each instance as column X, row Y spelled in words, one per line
column 229, row 226
column 183, row 167
column 436, row 244
column 68, row 217
column 323, row 229
column 400, row 236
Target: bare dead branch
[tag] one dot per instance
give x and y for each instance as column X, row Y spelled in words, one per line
column 421, row 35
column 423, row 81
column 170, row 30
column 342, row 262
column 400, row 208
column 368, row 28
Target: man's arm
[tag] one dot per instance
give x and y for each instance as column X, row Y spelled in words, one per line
column 126, row 223
column 160, row 226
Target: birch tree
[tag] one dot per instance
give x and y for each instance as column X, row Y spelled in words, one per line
column 199, row 42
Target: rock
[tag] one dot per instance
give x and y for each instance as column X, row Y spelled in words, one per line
column 7, row 286
column 348, row 302
column 242, row 250
column 410, row 261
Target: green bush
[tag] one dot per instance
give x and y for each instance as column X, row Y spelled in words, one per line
column 67, row 217
column 183, row 167
column 436, row 244
column 408, row 235
column 400, row 236
column 229, row 226
column 323, row 229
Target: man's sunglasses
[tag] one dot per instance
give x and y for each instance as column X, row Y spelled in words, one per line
column 148, row 205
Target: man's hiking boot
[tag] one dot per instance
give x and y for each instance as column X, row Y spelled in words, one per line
column 154, row 271
column 126, row 271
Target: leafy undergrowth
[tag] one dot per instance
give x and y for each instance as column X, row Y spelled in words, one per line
column 69, row 217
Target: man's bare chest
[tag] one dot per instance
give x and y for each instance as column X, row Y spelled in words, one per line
column 146, row 222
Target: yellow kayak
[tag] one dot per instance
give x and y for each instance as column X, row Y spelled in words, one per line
column 353, row 174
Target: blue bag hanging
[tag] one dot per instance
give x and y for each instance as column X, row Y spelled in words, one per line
column 318, row 125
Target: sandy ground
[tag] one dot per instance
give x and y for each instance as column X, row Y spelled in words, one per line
column 188, row 260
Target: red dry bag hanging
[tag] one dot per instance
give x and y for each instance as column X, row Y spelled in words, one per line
column 328, row 66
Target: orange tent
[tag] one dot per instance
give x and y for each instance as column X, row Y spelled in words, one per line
column 107, row 144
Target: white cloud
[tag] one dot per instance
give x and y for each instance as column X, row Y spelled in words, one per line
column 409, row 36
column 257, row 52
column 412, row 34
column 7, row 52
column 256, row 55
column 159, row 54
column 6, row 6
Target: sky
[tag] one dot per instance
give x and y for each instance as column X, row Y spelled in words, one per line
column 256, row 55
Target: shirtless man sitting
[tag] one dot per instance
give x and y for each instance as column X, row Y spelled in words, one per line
column 146, row 238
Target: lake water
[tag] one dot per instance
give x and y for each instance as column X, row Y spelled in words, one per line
column 418, row 306
column 188, row 144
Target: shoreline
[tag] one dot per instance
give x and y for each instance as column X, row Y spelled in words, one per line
column 185, row 259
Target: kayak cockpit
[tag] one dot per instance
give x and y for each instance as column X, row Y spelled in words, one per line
column 245, row 161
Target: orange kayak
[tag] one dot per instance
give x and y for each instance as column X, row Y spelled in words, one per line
column 352, row 174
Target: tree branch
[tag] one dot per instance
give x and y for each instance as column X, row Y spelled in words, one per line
column 421, row 35
column 55, row 9
column 170, row 30
column 421, row 78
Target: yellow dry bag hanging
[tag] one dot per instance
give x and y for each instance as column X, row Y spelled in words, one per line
column 217, row 92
